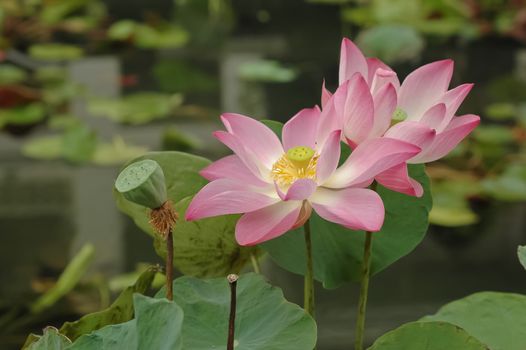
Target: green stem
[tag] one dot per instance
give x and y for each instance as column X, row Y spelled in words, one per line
column 364, row 289
column 308, row 293
column 169, row 265
column 255, row 263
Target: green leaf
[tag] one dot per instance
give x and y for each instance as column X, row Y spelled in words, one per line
column 116, row 152
column 182, row 76
column 51, row 340
column 501, row 111
column 10, row 74
column 264, row 319
column 122, row 30
column 391, row 43
column 181, row 171
column 337, row 251
column 120, row 311
column 23, row 115
column 136, row 109
column 207, row 247
column 521, row 252
column 428, row 336
column 451, row 202
column 509, row 186
column 55, row 52
column 497, row 319
column 493, row 134
column 266, row 71
column 275, row 126
column 46, row 147
column 67, row 280
column 157, row 325
column 79, row 144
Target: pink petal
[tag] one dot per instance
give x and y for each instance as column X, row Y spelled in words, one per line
column 255, row 137
column 424, row 87
column 354, row 208
column 373, row 65
column 352, row 61
column 358, row 112
column 415, row 133
column 448, row 139
column 331, row 118
column 248, row 158
column 434, row 116
column 267, row 223
column 384, row 106
column 225, row 196
column 381, row 78
column 325, row 95
column 397, row 179
column 369, row 159
column 453, row 99
column 301, row 189
column 301, row 129
column 329, row 157
column 231, row 167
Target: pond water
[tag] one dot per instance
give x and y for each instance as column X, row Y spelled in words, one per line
column 49, row 209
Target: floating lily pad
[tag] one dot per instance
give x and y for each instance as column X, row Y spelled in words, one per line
column 46, row 148
column 391, row 43
column 79, row 144
column 496, row 319
column 139, row 108
column 509, row 186
column 23, row 115
column 116, row 153
column 10, row 74
column 55, row 52
column 267, row 71
column 264, row 319
column 428, row 336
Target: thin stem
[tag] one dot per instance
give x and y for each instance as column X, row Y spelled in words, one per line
column 232, row 280
column 308, row 293
column 364, row 289
column 255, row 263
column 169, row 265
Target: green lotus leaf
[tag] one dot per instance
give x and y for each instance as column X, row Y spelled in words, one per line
column 496, row 319
column 428, row 336
column 264, row 319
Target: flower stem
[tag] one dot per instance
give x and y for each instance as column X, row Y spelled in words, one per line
column 308, row 293
column 232, row 280
column 255, row 263
column 169, row 265
column 364, row 289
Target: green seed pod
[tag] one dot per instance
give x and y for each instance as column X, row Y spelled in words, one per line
column 143, row 183
column 399, row 115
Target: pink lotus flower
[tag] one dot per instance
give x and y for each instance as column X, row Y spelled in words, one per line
column 276, row 185
column 422, row 101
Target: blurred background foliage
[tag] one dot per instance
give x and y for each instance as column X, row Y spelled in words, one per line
column 181, row 62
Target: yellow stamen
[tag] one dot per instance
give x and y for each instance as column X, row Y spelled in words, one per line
column 298, row 163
